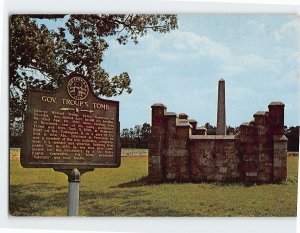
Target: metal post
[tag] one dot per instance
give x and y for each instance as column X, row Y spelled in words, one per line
column 73, row 192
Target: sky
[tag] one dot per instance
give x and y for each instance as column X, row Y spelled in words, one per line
column 257, row 55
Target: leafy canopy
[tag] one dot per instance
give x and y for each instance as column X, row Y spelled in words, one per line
column 40, row 57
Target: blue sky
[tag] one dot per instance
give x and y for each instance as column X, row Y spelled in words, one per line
column 257, row 55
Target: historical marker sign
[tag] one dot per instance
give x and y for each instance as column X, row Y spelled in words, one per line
column 70, row 128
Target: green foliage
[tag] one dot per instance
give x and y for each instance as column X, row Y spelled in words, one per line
column 211, row 130
column 40, row 57
column 124, row 191
column 292, row 133
column 232, row 130
column 136, row 137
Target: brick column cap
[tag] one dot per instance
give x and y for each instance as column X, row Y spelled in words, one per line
column 201, row 128
column 182, row 125
column 277, row 138
column 276, row 103
column 159, row 105
column 192, row 121
column 169, row 114
column 245, row 124
column 183, row 116
column 260, row 113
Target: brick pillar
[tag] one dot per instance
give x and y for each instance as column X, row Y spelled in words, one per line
column 249, row 152
column 171, row 126
column 276, row 110
column 264, row 147
column 280, row 158
column 194, row 125
column 184, row 129
column 180, row 165
column 156, row 142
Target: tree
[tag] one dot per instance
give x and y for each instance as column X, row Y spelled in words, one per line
column 211, row 130
column 292, row 133
column 40, row 57
column 136, row 137
column 124, row 138
column 145, row 133
column 232, row 130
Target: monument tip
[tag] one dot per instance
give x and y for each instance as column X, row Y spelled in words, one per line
column 221, row 80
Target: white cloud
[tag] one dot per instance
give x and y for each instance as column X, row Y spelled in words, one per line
column 178, row 46
column 288, row 55
column 257, row 62
column 180, row 69
column 257, row 25
column 289, row 31
column 231, row 70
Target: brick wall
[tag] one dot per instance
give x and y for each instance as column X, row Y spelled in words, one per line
column 214, row 158
column 179, row 150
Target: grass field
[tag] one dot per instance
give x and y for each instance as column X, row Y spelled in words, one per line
column 125, row 192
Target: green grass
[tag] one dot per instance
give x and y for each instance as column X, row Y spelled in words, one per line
column 125, row 192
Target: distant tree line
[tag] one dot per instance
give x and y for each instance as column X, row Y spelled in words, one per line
column 211, row 130
column 292, row 133
column 138, row 136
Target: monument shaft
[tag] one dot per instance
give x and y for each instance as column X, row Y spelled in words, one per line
column 221, row 113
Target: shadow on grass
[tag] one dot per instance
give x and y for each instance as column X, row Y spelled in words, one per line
column 31, row 200
column 143, row 181
column 126, row 199
column 42, row 199
column 121, row 203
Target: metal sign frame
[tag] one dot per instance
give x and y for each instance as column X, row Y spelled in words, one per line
column 34, row 102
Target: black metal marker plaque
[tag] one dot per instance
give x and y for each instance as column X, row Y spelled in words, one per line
column 71, row 127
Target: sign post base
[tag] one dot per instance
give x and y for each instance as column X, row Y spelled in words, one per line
column 73, row 190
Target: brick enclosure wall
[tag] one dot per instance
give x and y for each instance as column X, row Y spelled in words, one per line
column 179, row 150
